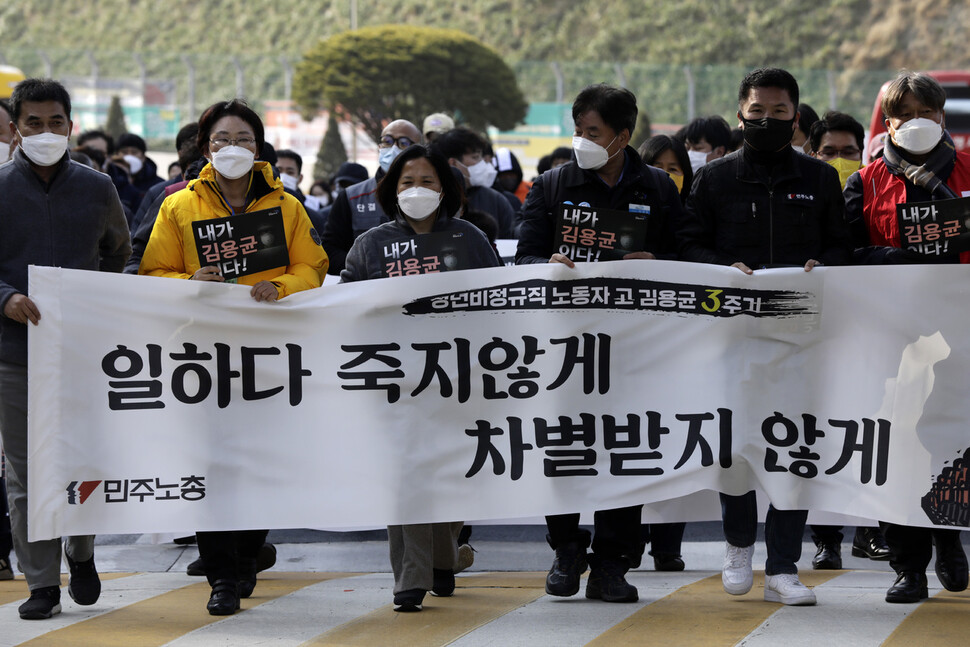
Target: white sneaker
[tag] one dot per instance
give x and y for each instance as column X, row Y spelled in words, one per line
column 736, row 576
column 787, row 589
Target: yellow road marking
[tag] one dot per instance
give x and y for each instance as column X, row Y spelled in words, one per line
column 13, row 590
column 941, row 620
column 701, row 614
column 163, row 618
column 477, row 601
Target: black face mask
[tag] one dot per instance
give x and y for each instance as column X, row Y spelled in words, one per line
column 766, row 134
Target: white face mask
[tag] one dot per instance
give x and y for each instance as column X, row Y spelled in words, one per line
column 918, row 136
column 233, row 162
column 289, row 182
column 589, row 154
column 481, row 174
column 4, row 152
column 697, row 159
column 418, row 203
column 45, row 149
column 134, row 164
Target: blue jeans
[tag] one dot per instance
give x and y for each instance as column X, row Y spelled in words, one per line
column 783, row 530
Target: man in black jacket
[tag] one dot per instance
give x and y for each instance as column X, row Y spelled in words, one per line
column 606, row 175
column 765, row 206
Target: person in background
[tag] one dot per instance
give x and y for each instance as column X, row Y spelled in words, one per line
column 174, row 171
column 436, row 124
column 917, row 147
column 54, row 212
column 6, row 538
column 837, row 139
column 230, row 134
column 510, row 174
column 143, row 170
column 356, row 210
column 464, row 149
column 807, row 117
column 706, row 139
column 290, row 165
column 669, row 155
column 424, row 196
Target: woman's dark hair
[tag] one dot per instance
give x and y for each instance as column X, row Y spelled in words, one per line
column 231, row 108
column 651, row 149
column 452, row 194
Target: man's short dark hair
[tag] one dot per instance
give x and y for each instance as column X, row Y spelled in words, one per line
column 185, row 133
column 90, row 135
column 459, row 141
column 617, row 107
column 714, row 130
column 233, row 108
column 37, row 90
column 836, row 121
column 769, row 77
column 286, row 153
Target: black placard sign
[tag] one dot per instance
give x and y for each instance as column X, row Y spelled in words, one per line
column 440, row 251
column 596, row 234
column 243, row 244
column 934, row 228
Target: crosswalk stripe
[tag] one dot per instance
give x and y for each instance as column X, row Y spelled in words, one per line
column 940, row 620
column 478, row 601
column 167, row 616
column 699, row 614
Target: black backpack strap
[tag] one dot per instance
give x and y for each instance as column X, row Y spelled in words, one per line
column 550, row 188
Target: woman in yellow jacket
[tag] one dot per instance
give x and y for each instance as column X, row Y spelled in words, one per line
column 230, row 135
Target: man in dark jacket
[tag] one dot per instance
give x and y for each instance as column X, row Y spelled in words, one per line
column 55, row 212
column 765, row 206
column 919, row 165
column 608, row 175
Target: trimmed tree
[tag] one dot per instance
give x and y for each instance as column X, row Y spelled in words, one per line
column 115, row 126
column 332, row 152
column 378, row 74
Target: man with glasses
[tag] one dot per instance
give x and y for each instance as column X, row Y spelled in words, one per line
column 355, row 210
column 837, row 140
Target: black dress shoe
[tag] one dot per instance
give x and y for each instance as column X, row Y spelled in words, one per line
column 224, row 599
column 951, row 563
column 870, row 542
column 828, row 557
column 670, row 563
column 909, row 587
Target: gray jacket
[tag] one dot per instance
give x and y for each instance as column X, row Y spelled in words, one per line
column 75, row 222
column 365, row 260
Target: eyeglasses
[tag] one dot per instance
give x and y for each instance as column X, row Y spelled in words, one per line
column 245, row 142
column 401, row 142
column 850, row 153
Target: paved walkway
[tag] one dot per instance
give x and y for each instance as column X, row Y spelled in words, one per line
column 340, row 594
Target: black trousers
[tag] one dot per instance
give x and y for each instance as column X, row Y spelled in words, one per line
column 911, row 547
column 616, row 532
column 6, row 539
column 230, row 554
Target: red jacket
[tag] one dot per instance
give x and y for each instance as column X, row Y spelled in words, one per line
column 882, row 191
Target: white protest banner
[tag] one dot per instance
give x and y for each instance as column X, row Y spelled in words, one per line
column 161, row 405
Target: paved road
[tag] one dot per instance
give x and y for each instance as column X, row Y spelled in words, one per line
column 325, row 591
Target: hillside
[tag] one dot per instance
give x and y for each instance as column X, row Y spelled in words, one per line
column 653, row 39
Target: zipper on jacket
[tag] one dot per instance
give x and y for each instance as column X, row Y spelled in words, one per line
column 771, row 223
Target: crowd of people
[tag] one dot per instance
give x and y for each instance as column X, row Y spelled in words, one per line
column 101, row 206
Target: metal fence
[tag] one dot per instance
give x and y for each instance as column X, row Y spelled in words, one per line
column 669, row 93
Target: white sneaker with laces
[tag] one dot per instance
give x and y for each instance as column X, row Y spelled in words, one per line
column 736, row 576
column 787, row 589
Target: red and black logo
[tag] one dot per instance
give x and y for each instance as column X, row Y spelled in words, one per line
column 79, row 491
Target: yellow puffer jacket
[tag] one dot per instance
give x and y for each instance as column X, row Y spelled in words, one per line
column 171, row 249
